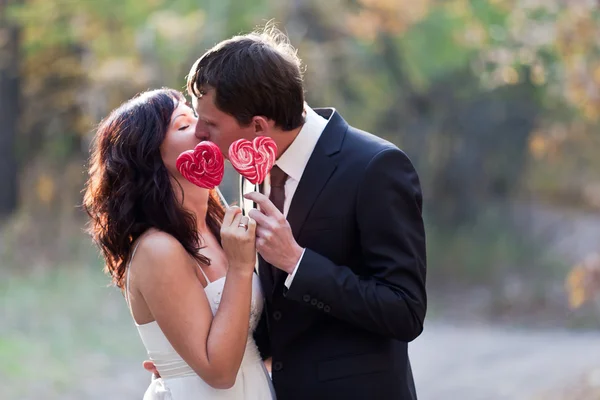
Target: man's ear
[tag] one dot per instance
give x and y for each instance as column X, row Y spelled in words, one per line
column 261, row 126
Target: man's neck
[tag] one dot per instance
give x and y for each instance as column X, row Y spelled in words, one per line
column 283, row 139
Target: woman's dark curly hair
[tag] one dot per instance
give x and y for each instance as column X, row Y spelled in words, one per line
column 129, row 189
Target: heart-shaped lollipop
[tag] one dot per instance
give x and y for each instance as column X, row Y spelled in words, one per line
column 204, row 166
column 253, row 160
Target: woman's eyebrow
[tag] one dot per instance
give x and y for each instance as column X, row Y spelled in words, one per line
column 180, row 115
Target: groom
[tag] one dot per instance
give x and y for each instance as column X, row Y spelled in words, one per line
column 340, row 231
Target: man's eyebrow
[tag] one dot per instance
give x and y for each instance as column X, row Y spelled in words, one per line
column 208, row 121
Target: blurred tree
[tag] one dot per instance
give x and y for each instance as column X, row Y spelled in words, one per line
column 469, row 141
column 9, row 108
column 583, row 281
column 81, row 59
column 470, row 89
column 481, row 149
column 458, row 84
column 556, row 42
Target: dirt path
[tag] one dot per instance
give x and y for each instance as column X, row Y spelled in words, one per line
column 449, row 362
column 484, row 363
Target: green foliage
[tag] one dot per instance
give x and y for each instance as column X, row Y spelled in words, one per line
column 430, row 50
column 458, row 84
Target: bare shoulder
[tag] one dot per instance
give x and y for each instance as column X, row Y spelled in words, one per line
column 158, row 250
column 159, row 243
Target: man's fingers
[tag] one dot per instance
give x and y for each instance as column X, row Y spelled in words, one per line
column 266, row 206
column 260, row 218
column 260, row 243
column 263, row 233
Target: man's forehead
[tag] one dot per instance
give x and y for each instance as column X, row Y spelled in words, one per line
column 200, row 104
column 205, row 106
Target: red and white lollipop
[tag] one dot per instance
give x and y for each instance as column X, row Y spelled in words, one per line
column 203, row 166
column 253, row 160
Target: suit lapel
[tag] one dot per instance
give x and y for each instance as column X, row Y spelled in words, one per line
column 318, row 171
column 320, row 167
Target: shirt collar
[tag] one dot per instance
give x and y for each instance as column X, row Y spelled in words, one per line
column 294, row 159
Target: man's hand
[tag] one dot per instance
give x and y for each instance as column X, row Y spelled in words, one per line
column 274, row 239
column 150, row 367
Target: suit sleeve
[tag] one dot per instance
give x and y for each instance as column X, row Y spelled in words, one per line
column 261, row 336
column 390, row 298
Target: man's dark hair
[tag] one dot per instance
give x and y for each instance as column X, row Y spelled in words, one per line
column 254, row 74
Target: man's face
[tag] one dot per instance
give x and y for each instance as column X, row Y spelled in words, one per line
column 217, row 126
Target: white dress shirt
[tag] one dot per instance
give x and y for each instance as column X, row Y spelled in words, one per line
column 293, row 161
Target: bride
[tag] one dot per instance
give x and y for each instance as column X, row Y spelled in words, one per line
column 185, row 265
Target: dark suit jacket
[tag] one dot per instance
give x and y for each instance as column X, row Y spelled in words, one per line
column 358, row 297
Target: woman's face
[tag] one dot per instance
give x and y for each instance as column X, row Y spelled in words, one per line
column 180, row 136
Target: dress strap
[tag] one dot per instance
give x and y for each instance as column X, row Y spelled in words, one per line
column 201, row 270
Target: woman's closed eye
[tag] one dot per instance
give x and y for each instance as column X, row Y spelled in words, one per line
column 183, row 128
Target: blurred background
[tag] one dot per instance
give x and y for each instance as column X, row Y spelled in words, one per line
column 497, row 102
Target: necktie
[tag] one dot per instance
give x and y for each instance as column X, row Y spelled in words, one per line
column 277, row 195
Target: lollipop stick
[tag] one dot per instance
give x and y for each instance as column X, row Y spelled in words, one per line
column 256, row 189
column 221, row 197
column 243, row 192
column 242, row 199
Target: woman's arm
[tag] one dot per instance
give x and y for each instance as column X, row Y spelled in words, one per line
column 212, row 347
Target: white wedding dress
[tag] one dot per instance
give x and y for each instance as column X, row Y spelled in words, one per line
column 179, row 382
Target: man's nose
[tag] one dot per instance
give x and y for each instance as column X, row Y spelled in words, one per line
column 201, row 131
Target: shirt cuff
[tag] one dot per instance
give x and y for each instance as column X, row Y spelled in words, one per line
column 290, row 278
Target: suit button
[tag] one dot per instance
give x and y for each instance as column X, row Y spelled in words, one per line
column 306, row 298
column 320, row 305
column 277, row 366
column 326, row 308
column 314, row 302
column 277, row 315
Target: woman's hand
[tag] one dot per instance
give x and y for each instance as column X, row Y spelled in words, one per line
column 150, row 367
column 238, row 238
